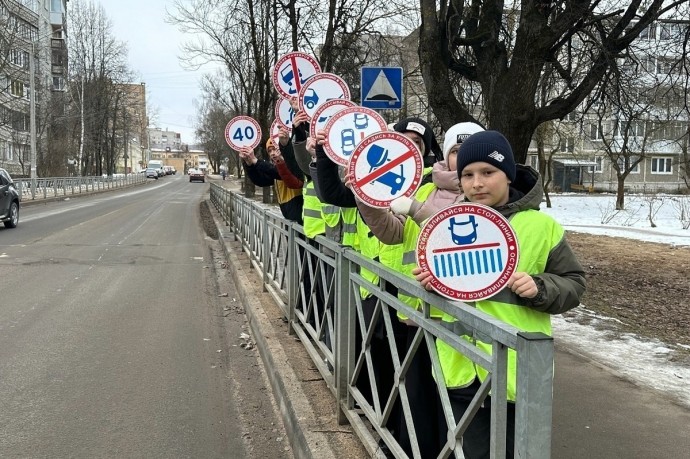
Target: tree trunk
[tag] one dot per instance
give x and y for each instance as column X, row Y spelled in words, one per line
column 620, row 193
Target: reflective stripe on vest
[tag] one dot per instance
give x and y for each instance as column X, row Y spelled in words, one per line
column 537, row 235
column 311, row 212
column 349, row 219
column 369, row 246
column 331, row 215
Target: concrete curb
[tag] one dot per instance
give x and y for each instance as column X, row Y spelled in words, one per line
column 300, row 421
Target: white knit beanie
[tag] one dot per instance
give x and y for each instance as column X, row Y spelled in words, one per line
column 457, row 134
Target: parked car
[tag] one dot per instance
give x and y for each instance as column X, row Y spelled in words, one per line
column 151, row 173
column 9, row 200
column 196, row 175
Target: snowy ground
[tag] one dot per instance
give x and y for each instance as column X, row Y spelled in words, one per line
column 644, row 362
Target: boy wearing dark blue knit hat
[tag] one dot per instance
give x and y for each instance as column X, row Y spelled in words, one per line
column 548, row 279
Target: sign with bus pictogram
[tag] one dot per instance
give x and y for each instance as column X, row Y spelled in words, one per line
column 346, row 128
column 385, row 166
column 324, row 112
column 319, row 89
column 284, row 112
column 292, row 71
column 470, row 250
column 241, row 132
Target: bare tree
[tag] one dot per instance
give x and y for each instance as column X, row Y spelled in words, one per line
column 505, row 48
column 98, row 66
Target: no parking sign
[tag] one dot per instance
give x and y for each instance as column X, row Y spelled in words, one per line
column 385, row 166
column 242, row 131
column 292, row 71
column 470, row 250
column 319, row 89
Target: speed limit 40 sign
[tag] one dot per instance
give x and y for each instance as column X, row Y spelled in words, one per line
column 242, row 132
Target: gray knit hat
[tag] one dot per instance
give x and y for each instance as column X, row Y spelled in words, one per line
column 489, row 147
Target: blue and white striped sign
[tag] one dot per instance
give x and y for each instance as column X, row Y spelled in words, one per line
column 470, row 250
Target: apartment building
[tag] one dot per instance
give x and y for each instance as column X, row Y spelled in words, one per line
column 33, row 72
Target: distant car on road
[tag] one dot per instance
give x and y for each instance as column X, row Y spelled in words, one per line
column 196, row 175
column 152, row 173
column 9, row 200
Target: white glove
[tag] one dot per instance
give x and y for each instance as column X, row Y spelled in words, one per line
column 401, row 205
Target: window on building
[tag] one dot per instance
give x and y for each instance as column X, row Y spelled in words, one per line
column 632, row 159
column 636, row 128
column 19, row 58
column 594, row 131
column 56, row 6
column 534, row 162
column 670, row 31
column 568, row 145
column 600, row 163
column 662, row 166
column 58, row 83
column 649, row 32
column 17, row 88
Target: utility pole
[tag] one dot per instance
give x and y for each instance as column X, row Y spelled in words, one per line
column 32, row 112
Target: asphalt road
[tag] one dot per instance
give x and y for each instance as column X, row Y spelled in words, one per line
column 112, row 337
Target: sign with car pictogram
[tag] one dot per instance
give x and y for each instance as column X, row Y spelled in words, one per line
column 242, row 131
column 284, row 112
column 470, row 250
column 292, row 71
column 346, row 128
column 324, row 112
column 385, row 166
column 319, row 89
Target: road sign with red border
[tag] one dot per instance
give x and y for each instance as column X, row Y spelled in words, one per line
column 384, row 167
column 319, row 89
column 346, row 128
column 470, row 250
column 242, row 131
column 289, row 65
column 324, row 112
column 276, row 126
column 284, row 112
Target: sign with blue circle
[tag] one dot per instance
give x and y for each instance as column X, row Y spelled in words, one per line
column 470, row 250
column 320, row 89
column 382, row 87
column 346, row 128
column 241, row 132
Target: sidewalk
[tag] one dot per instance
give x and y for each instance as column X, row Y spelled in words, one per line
column 597, row 413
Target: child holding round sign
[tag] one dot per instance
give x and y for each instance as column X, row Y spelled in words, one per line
column 547, row 280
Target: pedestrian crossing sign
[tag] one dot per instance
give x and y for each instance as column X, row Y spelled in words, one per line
column 381, row 87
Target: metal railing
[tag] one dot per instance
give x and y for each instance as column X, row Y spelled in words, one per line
column 53, row 187
column 317, row 285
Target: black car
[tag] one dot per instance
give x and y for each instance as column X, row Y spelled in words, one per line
column 9, row 200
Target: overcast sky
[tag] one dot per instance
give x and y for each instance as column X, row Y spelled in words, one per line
column 154, row 47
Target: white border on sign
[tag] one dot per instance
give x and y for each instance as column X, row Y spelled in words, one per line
column 314, row 126
column 315, row 80
column 364, row 146
column 249, row 121
column 296, row 55
column 338, row 159
column 510, row 244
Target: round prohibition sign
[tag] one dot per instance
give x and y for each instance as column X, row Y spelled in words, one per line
column 324, row 112
column 276, row 126
column 346, row 128
column 319, row 89
column 284, row 113
column 241, row 132
column 385, row 166
column 291, row 71
column 470, row 250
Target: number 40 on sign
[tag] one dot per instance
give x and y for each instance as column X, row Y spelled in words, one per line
column 242, row 132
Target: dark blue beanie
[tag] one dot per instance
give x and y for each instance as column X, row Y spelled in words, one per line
column 489, row 147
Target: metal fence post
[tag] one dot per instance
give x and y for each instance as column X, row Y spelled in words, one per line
column 534, row 407
column 292, row 276
column 266, row 250
column 345, row 335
